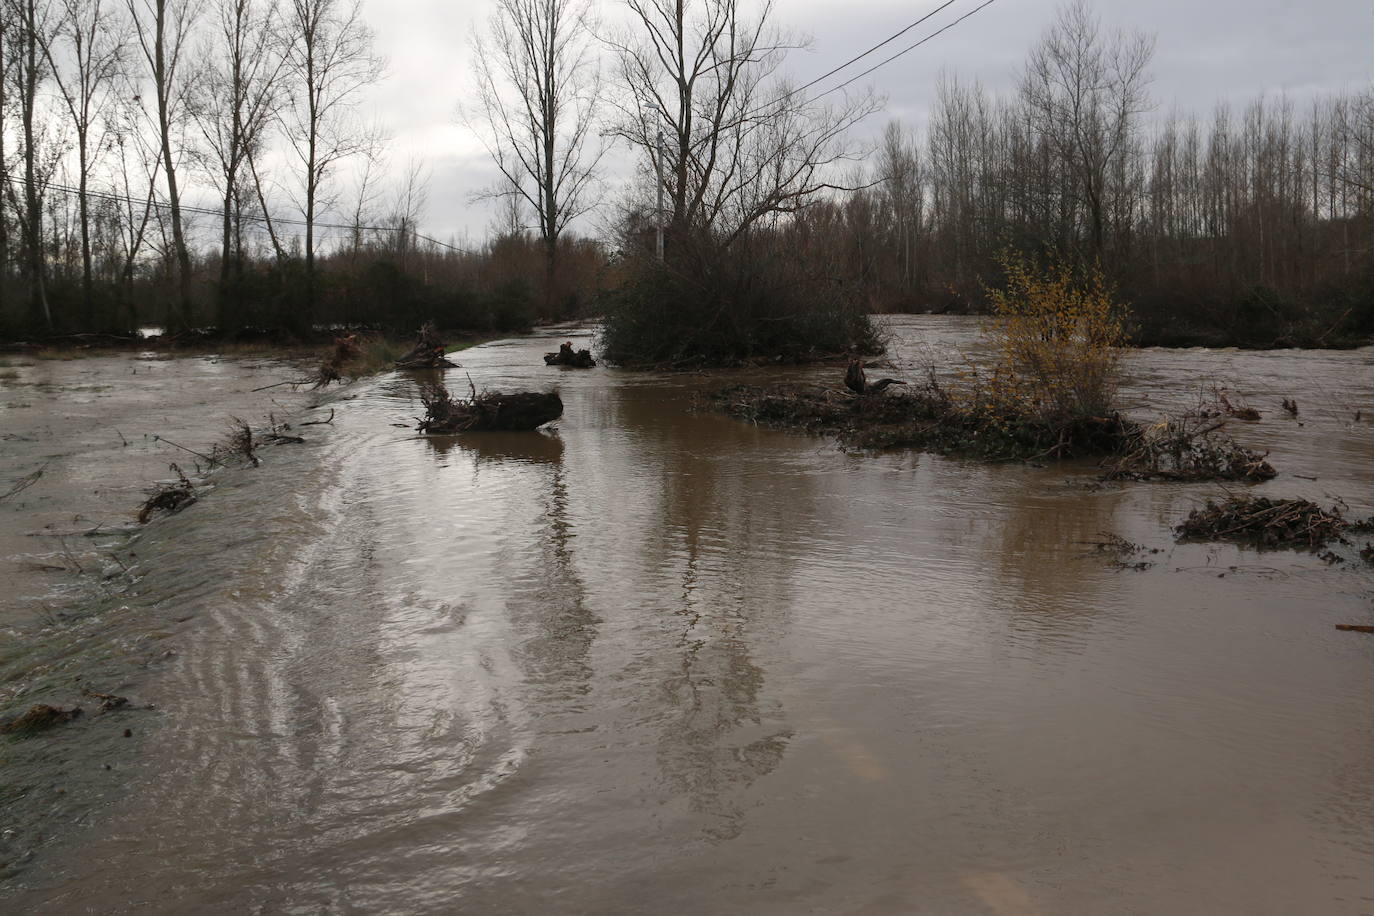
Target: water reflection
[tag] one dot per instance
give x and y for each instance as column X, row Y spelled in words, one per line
column 529, row 447
column 718, row 553
column 1043, row 548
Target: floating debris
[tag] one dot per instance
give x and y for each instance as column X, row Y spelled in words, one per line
column 169, row 497
column 345, row 350
column 521, row 410
column 1264, row 522
column 39, row 718
column 580, row 359
column 1188, row 449
column 428, row 352
column 108, row 701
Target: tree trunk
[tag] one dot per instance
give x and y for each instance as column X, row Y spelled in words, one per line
column 84, row 208
column 33, row 222
column 182, row 312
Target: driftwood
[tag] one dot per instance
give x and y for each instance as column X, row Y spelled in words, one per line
column 1355, row 627
column 1264, row 522
column 1188, row 448
column 857, row 381
column 428, row 352
column 168, row 498
column 520, row 410
column 581, row 359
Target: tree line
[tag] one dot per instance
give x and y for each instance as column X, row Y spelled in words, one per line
column 762, row 197
column 1252, row 224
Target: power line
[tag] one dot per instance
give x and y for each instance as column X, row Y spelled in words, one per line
column 787, row 95
column 207, row 211
column 906, row 50
column 858, row 57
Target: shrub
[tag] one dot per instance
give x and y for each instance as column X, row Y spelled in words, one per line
column 1057, row 336
column 713, row 306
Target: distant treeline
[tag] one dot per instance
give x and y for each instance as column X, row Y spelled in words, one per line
column 1254, row 226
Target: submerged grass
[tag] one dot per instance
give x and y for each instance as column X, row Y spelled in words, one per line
column 926, row 418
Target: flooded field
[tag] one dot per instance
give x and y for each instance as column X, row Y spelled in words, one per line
column 660, row 661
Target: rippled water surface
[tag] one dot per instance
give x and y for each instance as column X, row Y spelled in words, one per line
column 658, row 661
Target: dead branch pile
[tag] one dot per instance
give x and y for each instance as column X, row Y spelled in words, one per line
column 39, row 718
column 331, row 367
column 521, row 410
column 168, row 497
column 581, row 359
column 428, row 352
column 1187, row 449
column 1263, row 522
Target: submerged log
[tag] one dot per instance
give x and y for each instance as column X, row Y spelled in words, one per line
column 520, row 410
column 566, row 356
column 428, row 352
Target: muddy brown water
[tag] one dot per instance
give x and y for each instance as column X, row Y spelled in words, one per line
column 657, row 661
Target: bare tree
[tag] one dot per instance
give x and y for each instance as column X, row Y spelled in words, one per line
column 407, row 206
column 740, row 146
column 538, row 88
column 85, row 56
column 234, row 108
column 30, row 27
column 329, row 59
column 1084, row 93
column 7, row 30
column 163, row 28
column 136, row 165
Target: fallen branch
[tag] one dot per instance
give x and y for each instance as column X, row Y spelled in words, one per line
column 24, row 483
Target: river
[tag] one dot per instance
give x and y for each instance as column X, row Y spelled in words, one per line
column 661, row 661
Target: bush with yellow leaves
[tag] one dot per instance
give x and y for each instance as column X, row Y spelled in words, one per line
column 1057, row 336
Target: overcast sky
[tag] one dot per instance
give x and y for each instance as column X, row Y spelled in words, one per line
column 1207, row 50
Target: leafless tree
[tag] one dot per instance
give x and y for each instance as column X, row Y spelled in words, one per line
column 163, row 30
column 7, row 30
column 740, row 146
column 85, row 55
column 329, row 59
column 30, row 24
column 1084, row 93
column 136, row 165
column 235, row 105
column 537, row 94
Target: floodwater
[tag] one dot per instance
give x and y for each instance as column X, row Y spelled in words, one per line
column 658, row 661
